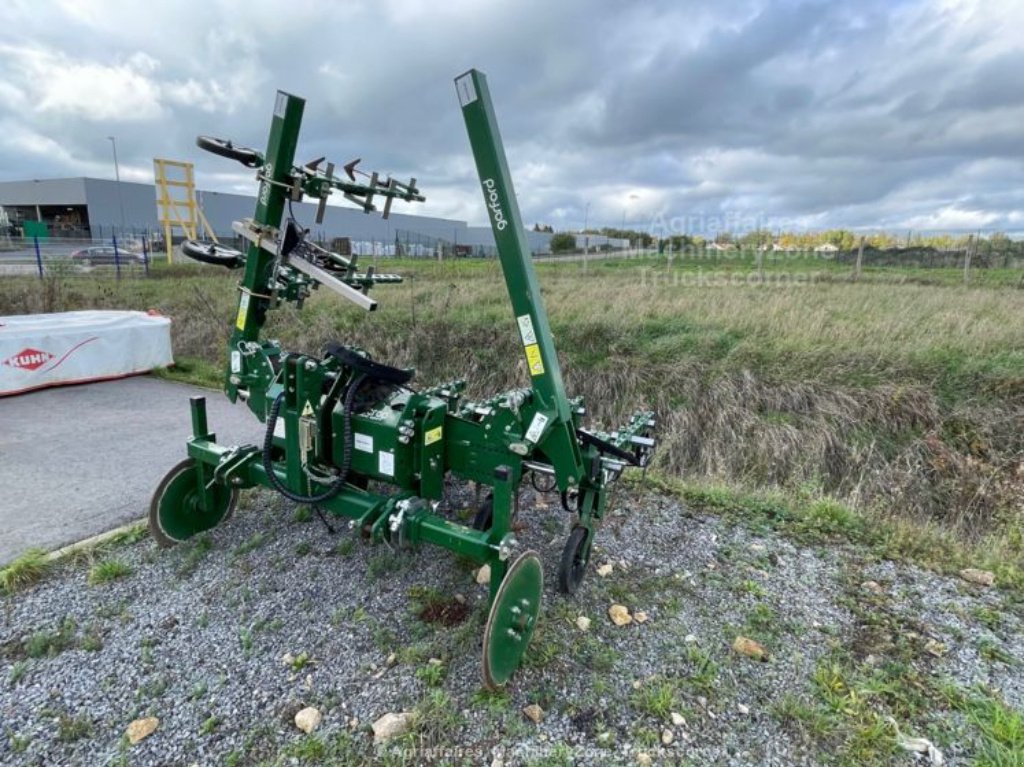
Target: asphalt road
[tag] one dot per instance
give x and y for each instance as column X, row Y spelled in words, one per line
column 79, row 460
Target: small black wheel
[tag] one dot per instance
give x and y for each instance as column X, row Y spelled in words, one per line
column 485, row 514
column 213, row 253
column 575, row 557
column 250, row 158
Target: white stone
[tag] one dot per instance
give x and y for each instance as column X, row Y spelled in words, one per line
column 308, row 719
column 583, row 623
column 620, row 615
column 391, row 725
column 534, row 713
column 141, row 729
column 483, row 575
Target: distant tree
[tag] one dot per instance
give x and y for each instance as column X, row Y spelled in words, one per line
column 563, row 242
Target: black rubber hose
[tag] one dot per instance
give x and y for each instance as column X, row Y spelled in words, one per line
column 339, row 482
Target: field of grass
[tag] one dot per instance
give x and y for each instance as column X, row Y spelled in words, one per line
column 899, row 396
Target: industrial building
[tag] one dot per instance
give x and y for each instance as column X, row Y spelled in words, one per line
column 97, row 208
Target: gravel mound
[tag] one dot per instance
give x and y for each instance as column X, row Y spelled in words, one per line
column 226, row 638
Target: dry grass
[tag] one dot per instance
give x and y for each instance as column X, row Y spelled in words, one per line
column 897, row 397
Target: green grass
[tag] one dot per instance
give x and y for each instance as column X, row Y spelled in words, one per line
column 825, row 522
column 108, row 570
column 656, row 697
column 28, row 568
column 50, row 643
column 71, row 728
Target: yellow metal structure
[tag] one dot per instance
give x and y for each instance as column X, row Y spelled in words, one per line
column 176, row 201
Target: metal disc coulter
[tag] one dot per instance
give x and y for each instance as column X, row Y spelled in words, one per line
column 352, row 436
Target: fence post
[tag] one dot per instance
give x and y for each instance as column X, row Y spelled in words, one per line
column 145, row 257
column 860, row 259
column 117, row 258
column 39, row 256
column 967, row 259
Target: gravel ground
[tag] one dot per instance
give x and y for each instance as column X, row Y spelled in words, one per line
column 196, row 636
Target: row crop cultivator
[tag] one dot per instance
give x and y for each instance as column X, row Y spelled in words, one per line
column 352, row 437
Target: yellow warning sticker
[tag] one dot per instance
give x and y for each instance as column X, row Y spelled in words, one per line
column 243, row 310
column 534, row 361
column 432, row 435
column 307, row 411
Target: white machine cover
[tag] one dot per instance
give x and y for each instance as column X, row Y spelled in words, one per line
column 38, row 350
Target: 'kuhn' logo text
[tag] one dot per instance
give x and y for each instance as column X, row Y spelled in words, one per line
column 494, row 204
column 28, row 359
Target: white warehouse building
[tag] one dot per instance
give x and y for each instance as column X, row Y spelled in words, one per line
column 96, row 208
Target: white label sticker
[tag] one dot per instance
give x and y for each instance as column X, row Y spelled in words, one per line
column 387, row 463
column 236, row 361
column 536, row 427
column 466, row 89
column 280, row 103
column 279, row 428
column 526, row 330
column 363, row 442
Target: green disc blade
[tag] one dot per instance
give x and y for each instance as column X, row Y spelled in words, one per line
column 512, row 619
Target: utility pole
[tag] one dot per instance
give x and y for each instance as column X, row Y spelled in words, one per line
column 117, row 179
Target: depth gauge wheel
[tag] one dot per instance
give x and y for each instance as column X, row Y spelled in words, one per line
column 174, row 512
column 575, row 557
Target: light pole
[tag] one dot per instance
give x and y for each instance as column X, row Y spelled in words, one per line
column 117, row 178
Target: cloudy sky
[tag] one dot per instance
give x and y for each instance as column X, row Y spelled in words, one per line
column 867, row 114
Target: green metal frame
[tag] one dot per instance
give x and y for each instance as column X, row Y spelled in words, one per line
column 405, row 441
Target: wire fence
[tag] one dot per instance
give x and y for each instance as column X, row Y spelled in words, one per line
column 127, row 257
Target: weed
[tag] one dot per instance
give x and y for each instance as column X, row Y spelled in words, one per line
column 108, row 570
column 991, row 650
column 432, row 674
column 195, row 552
column 72, row 728
column 435, row 717
column 300, row 661
column 92, row 642
column 705, row 670
column 655, row 697
column 25, row 570
column 18, row 671
column 51, row 643
column 256, row 541
column 210, row 724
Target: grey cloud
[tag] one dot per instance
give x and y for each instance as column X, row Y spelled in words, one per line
column 847, row 113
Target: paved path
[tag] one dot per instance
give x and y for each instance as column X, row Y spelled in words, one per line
column 78, row 460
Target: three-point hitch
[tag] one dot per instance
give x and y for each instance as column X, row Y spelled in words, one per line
column 336, row 421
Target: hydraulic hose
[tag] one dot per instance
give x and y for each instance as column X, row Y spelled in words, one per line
column 339, row 482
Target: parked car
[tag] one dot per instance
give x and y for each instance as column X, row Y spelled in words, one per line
column 106, row 254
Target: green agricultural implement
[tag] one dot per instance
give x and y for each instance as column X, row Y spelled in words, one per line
column 351, row 437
